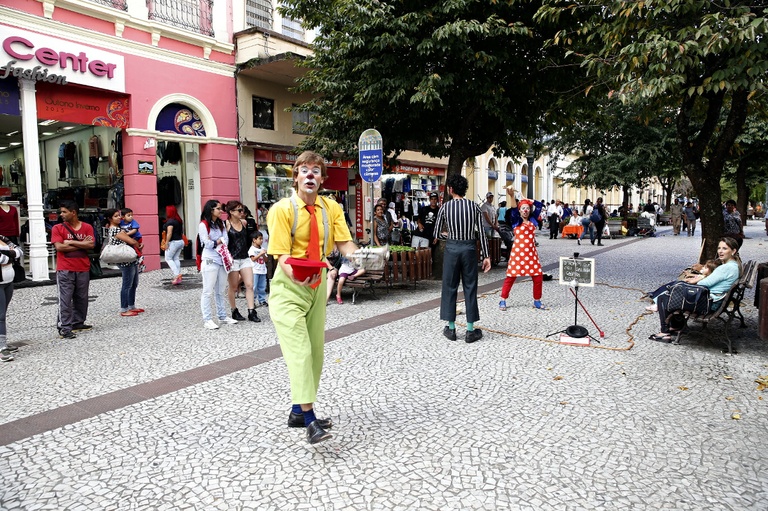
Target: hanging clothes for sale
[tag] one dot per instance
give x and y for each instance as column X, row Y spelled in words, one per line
column 160, row 152
column 172, row 153
column 62, row 161
column 119, row 150
column 168, row 192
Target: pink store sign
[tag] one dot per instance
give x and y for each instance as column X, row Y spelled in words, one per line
column 45, row 59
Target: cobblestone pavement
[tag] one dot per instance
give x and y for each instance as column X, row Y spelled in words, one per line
column 154, row 412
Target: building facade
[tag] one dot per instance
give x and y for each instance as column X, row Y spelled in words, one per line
column 117, row 103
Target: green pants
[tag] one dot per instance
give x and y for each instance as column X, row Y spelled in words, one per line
column 298, row 313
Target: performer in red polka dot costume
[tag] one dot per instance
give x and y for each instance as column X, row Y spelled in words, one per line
column 523, row 256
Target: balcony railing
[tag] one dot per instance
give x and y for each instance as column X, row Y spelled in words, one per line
column 117, row 4
column 194, row 15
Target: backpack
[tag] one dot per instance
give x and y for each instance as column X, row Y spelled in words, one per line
column 595, row 216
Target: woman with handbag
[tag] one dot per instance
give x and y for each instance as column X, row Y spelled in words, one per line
column 8, row 254
column 215, row 256
column 173, row 231
column 719, row 282
column 129, row 264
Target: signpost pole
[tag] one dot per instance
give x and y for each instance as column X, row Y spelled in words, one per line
column 371, row 163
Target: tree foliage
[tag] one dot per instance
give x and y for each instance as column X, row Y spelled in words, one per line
column 619, row 145
column 706, row 60
column 450, row 78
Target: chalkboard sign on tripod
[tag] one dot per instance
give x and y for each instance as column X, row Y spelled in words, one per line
column 575, row 272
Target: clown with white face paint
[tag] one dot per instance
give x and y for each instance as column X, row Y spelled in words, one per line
column 523, row 256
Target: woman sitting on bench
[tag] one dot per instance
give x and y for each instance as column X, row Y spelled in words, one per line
column 719, row 284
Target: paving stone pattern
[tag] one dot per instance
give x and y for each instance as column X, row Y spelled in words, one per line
column 514, row 421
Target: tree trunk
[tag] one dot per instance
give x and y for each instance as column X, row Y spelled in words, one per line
column 742, row 191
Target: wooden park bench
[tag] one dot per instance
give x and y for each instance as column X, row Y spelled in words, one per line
column 644, row 226
column 614, row 228
column 367, row 281
column 730, row 307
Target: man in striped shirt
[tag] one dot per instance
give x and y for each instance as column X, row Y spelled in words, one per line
column 462, row 220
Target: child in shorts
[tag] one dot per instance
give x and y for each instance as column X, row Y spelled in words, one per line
column 131, row 228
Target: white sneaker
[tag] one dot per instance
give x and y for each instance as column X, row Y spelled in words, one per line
column 210, row 325
column 228, row 321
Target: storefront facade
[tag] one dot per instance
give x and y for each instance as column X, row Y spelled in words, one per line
column 114, row 116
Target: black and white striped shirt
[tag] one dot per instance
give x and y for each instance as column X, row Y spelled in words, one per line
column 463, row 220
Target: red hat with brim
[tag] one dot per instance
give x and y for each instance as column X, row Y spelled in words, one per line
column 305, row 268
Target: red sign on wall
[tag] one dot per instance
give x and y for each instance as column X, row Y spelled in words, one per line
column 72, row 104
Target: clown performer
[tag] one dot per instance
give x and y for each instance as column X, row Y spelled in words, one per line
column 523, row 256
column 304, row 226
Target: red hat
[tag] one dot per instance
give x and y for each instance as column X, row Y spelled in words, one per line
column 525, row 201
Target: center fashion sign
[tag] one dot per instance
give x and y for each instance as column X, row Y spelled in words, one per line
column 25, row 54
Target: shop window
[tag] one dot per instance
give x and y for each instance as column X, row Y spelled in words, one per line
column 258, row 13
column 274, row 181
column 263, row 113
column 302, row 121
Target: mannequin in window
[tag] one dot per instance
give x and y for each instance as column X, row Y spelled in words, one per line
column 94, row 152
column 9, row 221
column 69, row 156
column 62, row 161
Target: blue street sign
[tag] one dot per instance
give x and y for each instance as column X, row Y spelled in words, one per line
column 370, row 147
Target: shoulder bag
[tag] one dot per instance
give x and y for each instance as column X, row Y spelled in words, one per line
column 121, row 253
column 595, row 216
column 689, row 298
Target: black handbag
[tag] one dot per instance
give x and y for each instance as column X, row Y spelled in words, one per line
column 95, row 270
column 689, row 298
column 19, row 274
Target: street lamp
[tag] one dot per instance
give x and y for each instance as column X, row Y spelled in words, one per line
column 530, row 156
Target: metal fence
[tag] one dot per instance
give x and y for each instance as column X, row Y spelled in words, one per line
column 117, row 4
column 194, row 15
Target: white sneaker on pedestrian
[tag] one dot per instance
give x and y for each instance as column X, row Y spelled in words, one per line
column 210, row 325
column 228, row 321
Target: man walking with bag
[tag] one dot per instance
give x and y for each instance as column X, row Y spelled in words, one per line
column 72, row 239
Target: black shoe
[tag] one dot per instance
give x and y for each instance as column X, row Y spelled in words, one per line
column 80, row 327
column 600, row 244
column 236, row 315
column 5, row 356
column 252, row 316
column 547, row 277
column 592, row 241
column 474, row 335
column 296, row 420
column 67, row 335
column 449, row 333
column 578, row 241
column 316, row 434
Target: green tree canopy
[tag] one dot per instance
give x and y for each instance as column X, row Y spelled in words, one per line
column 705, row 60
column 449, row 78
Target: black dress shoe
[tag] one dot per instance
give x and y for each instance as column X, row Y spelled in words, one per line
column 474, row 335
column 296, row 420
column 316, row 434
column 449, row 334
column 592, row 241
column 600, row 244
